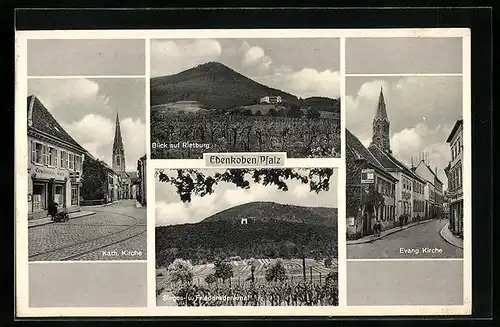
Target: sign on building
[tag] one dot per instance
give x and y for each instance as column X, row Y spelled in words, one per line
column 367, row 176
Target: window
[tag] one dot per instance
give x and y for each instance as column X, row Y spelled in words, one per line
column 71, row 162
column 38, row 197
column 77, row 160
column 37, row 152
column 45, row 154
column 64, row 159
column 52, row 153
column 74, row 195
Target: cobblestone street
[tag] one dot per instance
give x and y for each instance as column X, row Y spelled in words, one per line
column 114, row 232
column 417, row 242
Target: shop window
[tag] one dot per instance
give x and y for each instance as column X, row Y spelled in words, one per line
column 58, row 195
column 38, row 197
column 74, row 195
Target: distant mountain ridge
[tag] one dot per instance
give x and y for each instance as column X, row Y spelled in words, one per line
column 216, row 86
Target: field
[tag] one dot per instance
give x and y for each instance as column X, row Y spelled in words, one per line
column 239, row 290
column 298, row 137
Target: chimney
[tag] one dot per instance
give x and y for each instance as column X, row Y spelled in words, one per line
column 412, row 162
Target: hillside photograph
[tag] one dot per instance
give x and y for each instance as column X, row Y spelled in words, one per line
column 246, row 237
column 237, row 95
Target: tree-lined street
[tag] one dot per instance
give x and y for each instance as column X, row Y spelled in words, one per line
column 114, row 232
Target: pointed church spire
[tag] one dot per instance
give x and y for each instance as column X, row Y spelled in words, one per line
column 381, row 125
column 381, row 113
column 118, row 143
column 118, row 152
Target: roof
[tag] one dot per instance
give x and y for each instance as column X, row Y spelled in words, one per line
column 42, row 120
column 353, row 144
column 432, row 172
column 390, row 162
column 381, row 113
column 458, row 123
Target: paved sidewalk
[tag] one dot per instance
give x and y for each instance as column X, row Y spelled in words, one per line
column 448, row 236
column 48, row 220
column 371, row 238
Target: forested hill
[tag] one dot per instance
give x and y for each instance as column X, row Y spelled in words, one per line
column 272, row 231
column 216, row 86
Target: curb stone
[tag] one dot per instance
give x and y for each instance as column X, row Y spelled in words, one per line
column 49, row 221
column 441, row 233
column 395, row 230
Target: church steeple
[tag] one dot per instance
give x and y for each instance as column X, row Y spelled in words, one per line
column 381, row 125
column 118, row 152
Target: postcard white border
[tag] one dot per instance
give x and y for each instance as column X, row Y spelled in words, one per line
column 21, row 281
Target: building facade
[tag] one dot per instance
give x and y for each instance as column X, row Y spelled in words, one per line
column 364, row 174
column 454, row 173
column 433, row 190
column 55, row 163
column 271, row 99
column 418, row 199
column 141, row 192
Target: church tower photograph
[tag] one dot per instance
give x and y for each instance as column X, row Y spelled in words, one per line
column 381, row 125
column 118, row 151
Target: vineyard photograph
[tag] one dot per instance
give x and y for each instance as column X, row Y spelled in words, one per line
column 233, row 102
column 246, row 237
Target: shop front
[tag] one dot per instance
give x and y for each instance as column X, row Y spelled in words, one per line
column 48, row 184
column 456, row 213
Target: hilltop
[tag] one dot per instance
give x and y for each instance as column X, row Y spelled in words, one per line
column 216, row 86
column 266, row 211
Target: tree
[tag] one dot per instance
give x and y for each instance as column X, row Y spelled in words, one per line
column 94, row 179
column 246, row 112
column 328, row 262
column 210, row 279
column 223, row 269
column 372, row 200
column 313, row 113
column 295, row 111
column 276, row 271
column 273, row 112
column 180, row 271
column 192, row 181
column 258, row 113
column 253, row 265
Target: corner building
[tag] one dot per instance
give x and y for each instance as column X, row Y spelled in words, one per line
column 55, row 162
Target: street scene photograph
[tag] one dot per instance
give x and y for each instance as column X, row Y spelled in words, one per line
column 245, row 95
column 246, row 237
column 404, row 148
column 87, row 169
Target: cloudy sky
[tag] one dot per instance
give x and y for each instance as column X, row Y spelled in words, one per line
column 421, row 110
column 171, row 211
column 86, row 109
column 303, row 67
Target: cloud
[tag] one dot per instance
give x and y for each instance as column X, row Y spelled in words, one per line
column 421, row 110
column 310, row 82
column 92, row 132
column 96, row 133
column 63, row 96
column 171, row 57
column 133, row 134
column 255, row 56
